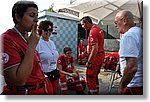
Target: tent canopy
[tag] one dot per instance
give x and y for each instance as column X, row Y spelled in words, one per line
column 103, row 10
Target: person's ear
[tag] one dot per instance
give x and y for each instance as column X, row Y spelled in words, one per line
column 17, row 17
column 124, row 20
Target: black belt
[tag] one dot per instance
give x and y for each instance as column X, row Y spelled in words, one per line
column 26, row 87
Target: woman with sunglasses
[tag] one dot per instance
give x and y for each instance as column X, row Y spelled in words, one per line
column 66, row 67
column 48, row 53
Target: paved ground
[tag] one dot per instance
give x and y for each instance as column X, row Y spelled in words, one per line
column 104, row 81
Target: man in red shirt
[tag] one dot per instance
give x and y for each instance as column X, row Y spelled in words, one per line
column 66, row 66
column 95, row 52
column 82, row 50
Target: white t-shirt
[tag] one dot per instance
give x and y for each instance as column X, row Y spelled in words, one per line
column 48, row 55
column 131, row 45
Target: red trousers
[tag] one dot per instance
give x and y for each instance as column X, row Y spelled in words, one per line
column 82, row 59
column 92, row 74
column 133, row 91
column 64, row 86
column 92, row 79
column 83, row 56
column 55, row 85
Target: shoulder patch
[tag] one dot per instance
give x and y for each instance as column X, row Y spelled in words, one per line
column 5, row 58
column 91, row 39
column 59, row 61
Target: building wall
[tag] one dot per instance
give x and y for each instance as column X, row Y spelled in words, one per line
column 112, row 37
column 111, row 42
column 67, row 34
column 111, row 45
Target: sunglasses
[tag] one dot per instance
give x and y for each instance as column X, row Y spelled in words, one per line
column 48, row 29
column 69, row 53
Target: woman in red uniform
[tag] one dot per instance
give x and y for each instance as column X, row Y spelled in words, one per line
column 66, row 66
column 21, row 63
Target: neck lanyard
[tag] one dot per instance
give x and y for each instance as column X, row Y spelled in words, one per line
column 93, row 26
column 35, row 53
column 20, row 34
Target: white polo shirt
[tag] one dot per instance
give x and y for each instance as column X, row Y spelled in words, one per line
column 48, row 55
column 131, row 45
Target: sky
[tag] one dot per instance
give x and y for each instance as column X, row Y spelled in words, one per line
column 6, row 21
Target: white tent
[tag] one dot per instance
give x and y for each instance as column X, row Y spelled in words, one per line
column 103, row 10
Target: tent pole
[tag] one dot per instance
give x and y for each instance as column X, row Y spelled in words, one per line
column 107, row 30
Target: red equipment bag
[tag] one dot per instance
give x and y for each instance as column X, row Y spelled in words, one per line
column 71, row 82
column 111, row 60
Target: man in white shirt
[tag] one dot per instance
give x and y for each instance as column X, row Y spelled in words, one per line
column 131, row 54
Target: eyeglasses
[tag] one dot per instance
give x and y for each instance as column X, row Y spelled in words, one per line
column 69, row 53
column 48, row 29
column 116, row 22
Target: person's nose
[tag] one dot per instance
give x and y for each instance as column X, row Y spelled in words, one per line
column 36, row 19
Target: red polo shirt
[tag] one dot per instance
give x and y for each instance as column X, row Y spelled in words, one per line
column 96, row 36
column 82, row 47
column 13, row 53
column 65, row 62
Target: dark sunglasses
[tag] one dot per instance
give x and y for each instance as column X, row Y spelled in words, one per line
column 48, row 29
column 69, row 53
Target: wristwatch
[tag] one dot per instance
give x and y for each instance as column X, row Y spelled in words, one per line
column 89, row 62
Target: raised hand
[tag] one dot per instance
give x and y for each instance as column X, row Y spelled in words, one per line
column 34, row 37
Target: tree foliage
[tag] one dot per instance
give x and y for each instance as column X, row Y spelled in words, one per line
column 50, row 9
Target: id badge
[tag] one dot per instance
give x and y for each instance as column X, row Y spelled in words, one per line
column 69, row 66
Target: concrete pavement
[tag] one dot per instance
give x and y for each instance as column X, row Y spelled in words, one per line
column 104, row 81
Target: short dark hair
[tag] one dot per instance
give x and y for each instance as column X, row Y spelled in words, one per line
column 82, row 39
column 43, row 25
column 67, row 49
column 86, row 18
column 20, row 7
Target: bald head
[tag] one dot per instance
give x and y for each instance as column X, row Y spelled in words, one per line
column 125, row 14
column 124, row 21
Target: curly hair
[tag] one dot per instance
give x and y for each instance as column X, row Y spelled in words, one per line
column 43, row 25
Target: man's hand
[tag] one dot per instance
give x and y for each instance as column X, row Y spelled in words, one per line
column 74, row 74
column 88, row 65
column 34, row 37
